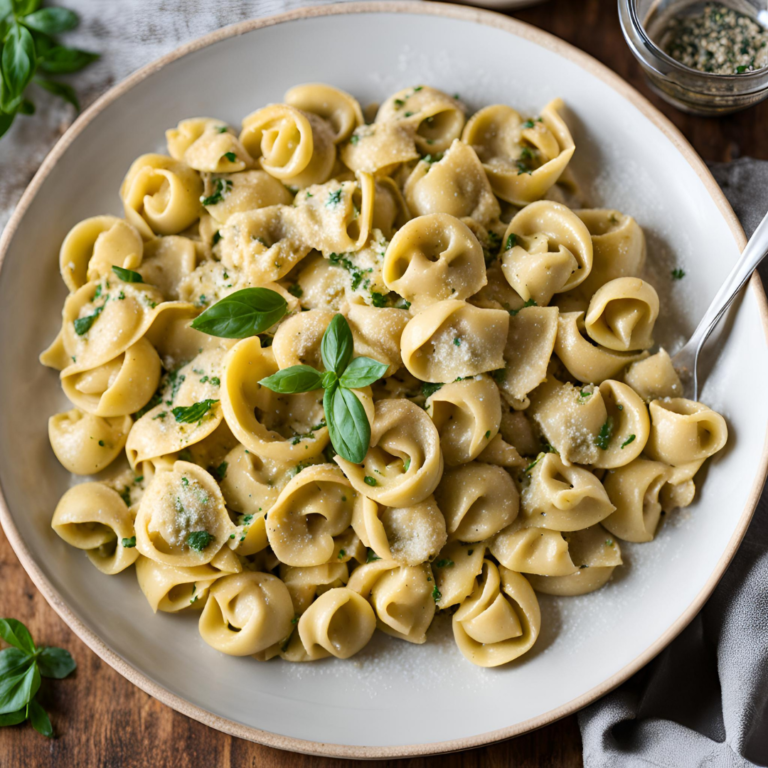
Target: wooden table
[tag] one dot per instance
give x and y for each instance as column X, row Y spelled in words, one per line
column 102, row 720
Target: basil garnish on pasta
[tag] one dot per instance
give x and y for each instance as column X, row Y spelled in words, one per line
column 193, row 413
column 243, row 313
column 347, row 422
column 128, row 275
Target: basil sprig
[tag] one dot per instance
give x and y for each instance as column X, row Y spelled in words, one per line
column 26, row 47
column 21, row 668
column 242, row 314
column 344, row 413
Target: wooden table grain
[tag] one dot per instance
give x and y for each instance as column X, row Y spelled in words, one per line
column 103, row 720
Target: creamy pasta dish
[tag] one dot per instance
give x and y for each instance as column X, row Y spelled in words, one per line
column 344, row 369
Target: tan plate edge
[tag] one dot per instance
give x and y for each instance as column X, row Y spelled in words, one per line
column 586, row 62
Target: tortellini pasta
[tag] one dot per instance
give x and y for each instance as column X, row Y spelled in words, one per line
column 523, row 425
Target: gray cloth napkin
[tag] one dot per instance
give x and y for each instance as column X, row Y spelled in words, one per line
column 703, row 701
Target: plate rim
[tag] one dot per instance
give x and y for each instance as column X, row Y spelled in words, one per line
column 591, row 66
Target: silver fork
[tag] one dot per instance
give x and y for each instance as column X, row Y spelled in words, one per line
column 687, row 359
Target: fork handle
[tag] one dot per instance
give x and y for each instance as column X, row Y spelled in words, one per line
column 754, row 252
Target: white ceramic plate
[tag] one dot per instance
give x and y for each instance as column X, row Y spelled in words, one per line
column 394, row 698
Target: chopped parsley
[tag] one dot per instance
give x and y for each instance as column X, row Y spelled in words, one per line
column 457, row 342
column 528, row 124
column 407, row 464
column 199, row 540
column 296, row 290
column 436, row 158
column 342, row 554
column 193, row 413
column 125, row 495
column 83, row 324
column 231, row 156
column 379, row 299
column 371, row 557
column 428, row 389
column 529, row 303
column 444, row 563
column 334, row 198
column 221, row 188
column 372, row 481
column 511, row 242
column 604, row 435
column 678, row 274
column 129, row 543
column 630, row 439
column 436, row 594
column 220, row 472
column 354, row 139
column 128, row 275
column 499, row 375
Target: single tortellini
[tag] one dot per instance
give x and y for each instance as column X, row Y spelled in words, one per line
column 390, row 211
column 455, row 570
column 377, row 333
column 171, row 589
column 340, row 110
column 182, row 520
column 380, row 148
column 529, row 550
column 500, row 620
column 266, row 243
column 403, row 597
column 595, row 555
column 317, row 505
column 467, row 415
column 299, row 338
column 408, row 535
column 605, row 426
column 478, row 500
column 92, row 247
column 432, row 258
column 634, row 491
column 684, row 431
column 85, row 444
column 305, row 584
column 101, row 321
column 189, row 412
column 436, row 117
column 245, row 191
column 321, row 283
column 618, row 247
column 246, row 613
column 293, row 146
column 404, row 463
column 530, row 342
column 339, row 623
column 120, row 387
column 622, row 314
column 563, row 498
column 586, row 361
column 336, row 217
column 207, row 145
column 455, row 184
column 161, row 196
column 453, row 338
column 94, row 518
column 523, row 159
column 280, row 427
column 654, row 378
column 547, row 250
column 168, row 262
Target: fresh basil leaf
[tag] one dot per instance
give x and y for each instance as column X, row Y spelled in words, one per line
column 26, row 107
column 337, row 345
column 5, row 8
column 14, row 718
column 128, row 275
column 16, row 634
column 328, row 380
column 23, row 7
column 61, row 60
column 52, row 20
column 199, row 540
column 56, row 663
column 13, row 661
column 362, row 372
column 40, row 720
column 347, row 424
column 192, row 413
column 64, row 91
column 83, row 324
column 243, row 313
column 16, row 691
column 6, row 121
column 18, row 60
column 297, row 378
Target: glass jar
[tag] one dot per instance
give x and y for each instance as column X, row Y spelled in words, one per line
column 701, row 93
